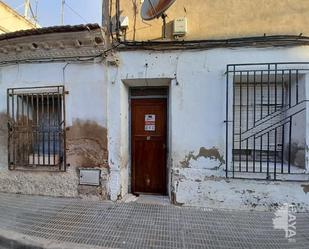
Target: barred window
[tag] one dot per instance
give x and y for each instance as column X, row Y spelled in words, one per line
column 267, row 121
column 36, row 136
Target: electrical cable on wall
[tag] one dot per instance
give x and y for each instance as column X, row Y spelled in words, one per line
column 260, row 41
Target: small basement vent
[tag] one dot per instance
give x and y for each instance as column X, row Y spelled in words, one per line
column 89, row 177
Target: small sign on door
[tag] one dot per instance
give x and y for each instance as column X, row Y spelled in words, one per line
column 150, row 122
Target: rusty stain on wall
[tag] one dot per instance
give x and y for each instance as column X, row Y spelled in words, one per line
column 212, row 154
column 3, row 138
column 174, row 199
column 3, row 127
column 23, row 139
column 306, row 188
column 87, row 144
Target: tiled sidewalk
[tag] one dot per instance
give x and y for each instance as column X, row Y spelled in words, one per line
column 135, row 225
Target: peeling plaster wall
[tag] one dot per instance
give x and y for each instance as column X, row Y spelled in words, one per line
column 241, row 194
column 196, row 124
column 86, row 114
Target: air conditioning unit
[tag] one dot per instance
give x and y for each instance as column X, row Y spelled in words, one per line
column 180, row 27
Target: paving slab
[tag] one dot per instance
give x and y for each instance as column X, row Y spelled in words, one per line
column 48, row 222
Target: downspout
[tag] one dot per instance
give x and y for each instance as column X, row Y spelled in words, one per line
column 118, row 20
column 63, row 72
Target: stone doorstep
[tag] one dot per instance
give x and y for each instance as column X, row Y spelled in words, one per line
column 14, row 240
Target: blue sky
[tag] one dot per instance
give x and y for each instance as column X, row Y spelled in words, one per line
column 49, row 11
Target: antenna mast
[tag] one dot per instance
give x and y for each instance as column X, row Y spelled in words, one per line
column 36, row 9
column 62, row 11
column 27, row 7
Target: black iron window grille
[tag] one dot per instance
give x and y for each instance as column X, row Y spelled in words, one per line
column 266, row 123
column 36, row 128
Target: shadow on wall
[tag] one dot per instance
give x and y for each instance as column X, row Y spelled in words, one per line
column 3, row 138
column 87, row 145
column 3, row 124
column 297, row 155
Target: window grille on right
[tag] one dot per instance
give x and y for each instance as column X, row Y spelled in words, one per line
column 267, row 120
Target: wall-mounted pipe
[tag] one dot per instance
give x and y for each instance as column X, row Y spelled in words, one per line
column 118, row 19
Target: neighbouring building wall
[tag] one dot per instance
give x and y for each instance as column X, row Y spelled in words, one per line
column 86, row 120
column 12, row 21
column 209, row 19
column 197, row 138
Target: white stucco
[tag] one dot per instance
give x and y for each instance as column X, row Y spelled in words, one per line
column 84, row 81
column 197, row 114
column 85, row 102
column 99, row 93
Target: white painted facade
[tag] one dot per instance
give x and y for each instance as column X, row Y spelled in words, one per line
column 99, row 92
column 87, row 93
column 197, row 92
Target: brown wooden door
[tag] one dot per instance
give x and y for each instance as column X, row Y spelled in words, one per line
column 148, row 124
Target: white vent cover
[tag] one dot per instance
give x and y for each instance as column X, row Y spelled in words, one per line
column 89, row 177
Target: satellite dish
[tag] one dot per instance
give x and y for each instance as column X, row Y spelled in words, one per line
column 152, row 9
